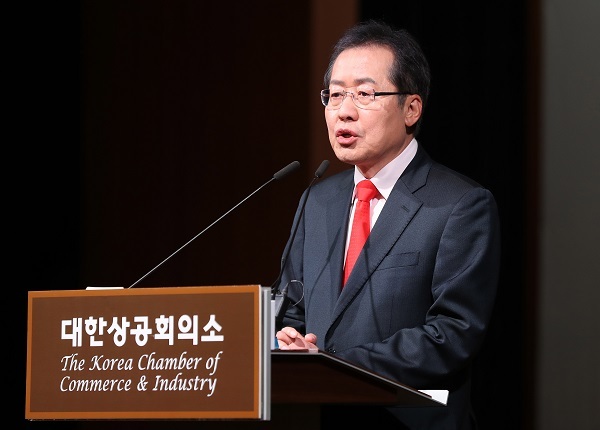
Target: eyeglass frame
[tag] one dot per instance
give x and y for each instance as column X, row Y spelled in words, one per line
column 353, row 95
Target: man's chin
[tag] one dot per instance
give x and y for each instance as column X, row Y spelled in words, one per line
column 346, row 154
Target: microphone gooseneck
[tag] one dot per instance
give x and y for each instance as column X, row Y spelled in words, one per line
column 277, row 176
column 280, row 296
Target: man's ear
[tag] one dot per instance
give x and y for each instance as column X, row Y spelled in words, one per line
column 413, row 106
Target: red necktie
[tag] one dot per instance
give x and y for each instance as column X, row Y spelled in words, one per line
column 361, row 225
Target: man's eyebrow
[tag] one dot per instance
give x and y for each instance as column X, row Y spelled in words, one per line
column 356, row 81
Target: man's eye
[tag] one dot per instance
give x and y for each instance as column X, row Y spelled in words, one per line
column 364, row 94
column 336, row 95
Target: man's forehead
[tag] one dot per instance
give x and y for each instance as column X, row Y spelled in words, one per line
column 360, row 65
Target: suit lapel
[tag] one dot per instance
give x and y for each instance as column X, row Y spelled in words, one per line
column 338, row 212
column 397, row 213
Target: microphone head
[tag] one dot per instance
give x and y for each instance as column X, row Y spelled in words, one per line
column 286, row 170
column 321, row 170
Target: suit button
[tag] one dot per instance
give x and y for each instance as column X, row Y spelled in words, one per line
column 331, row 350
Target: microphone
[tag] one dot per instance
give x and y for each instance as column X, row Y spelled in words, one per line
column 277, row 176
column 281, row 298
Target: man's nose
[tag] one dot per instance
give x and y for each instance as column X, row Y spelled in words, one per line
column 348, row 107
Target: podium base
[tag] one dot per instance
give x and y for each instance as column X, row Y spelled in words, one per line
column 284, row 417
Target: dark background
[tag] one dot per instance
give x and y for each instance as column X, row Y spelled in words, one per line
column 147, row 120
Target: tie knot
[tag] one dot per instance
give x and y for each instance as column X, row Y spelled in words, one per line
column 366, row 191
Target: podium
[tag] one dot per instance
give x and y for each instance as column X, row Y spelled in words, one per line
column 326, row 379
column 183, row 354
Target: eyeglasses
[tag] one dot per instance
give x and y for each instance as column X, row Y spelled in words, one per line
column 362, row 99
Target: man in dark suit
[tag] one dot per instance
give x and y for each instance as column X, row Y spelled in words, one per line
column 417, row 303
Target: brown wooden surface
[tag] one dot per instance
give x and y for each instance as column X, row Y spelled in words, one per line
column 93, row 376
column 321, row 378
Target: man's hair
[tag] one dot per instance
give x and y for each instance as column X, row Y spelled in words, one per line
column 410, row 70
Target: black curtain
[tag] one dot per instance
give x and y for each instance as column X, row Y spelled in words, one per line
column 475, row 124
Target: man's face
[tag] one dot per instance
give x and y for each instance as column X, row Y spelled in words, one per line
column 368, row 138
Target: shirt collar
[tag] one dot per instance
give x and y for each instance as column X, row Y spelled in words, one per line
column 387, row 177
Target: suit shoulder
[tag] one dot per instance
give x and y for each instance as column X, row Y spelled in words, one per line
column 442, row 172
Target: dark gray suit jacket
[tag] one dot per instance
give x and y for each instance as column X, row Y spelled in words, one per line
column 418, row 302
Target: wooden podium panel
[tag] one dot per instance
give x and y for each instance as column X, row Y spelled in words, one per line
column 149, row 353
